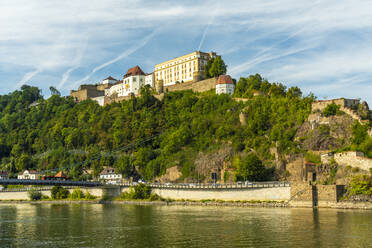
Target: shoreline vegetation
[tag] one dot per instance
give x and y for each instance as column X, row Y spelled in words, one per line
column 142, row 195
column 183, row 202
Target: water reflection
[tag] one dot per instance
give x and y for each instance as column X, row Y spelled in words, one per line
column 27, row 225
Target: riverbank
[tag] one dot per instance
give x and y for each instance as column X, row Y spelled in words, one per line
column 268, row 204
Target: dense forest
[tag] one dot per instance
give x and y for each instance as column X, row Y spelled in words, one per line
column 144, row 136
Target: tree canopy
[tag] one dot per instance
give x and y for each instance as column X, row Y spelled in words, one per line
column 144, row 136
column 215, row 67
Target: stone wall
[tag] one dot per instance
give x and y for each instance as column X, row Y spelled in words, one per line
column 329, row 193
column 306, row 195
column 23, row 195
column 86, row 93
column 245, row 194
column 344, row 103
column 353, row 159
column 199, row 86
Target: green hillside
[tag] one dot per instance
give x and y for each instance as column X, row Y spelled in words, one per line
column 143, row 137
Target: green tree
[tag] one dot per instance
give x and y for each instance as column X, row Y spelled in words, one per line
column 124, row 166
column 58, row 192
column 54, row 91
column 215, row 67
column 250, row 168
column 34, row 195
column 23, row 162
column 331, row 109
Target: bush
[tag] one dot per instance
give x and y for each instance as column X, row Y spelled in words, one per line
column 355, row 170
column 332, row 109
column 361, row 185
column 138, row 192
column 154, row 197
column 44, row 197
column 58, row 192
column 77, row 194
column 313, row 158
column 89, row 196
column 324, row 129
column 34, row 195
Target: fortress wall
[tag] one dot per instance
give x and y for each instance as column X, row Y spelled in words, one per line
column 353, row 159
column 321, row 104
column 199, row 86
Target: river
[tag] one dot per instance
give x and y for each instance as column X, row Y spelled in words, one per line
column 95, row 225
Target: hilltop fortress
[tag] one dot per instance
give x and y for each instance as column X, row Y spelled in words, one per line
column 181, row 73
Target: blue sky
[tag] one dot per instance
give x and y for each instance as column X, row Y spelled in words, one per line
column 324, row 47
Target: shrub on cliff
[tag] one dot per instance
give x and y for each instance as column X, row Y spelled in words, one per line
column 332, row 109
column 361, row 185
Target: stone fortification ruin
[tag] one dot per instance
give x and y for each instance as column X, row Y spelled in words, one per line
column 350, row 158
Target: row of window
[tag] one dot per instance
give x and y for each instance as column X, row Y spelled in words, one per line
column 175, row 63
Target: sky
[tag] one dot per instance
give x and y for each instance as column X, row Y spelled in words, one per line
column 324, row 47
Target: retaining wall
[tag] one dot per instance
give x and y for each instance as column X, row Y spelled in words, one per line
column 247, row 194
column 23, row 195
column 200, row 86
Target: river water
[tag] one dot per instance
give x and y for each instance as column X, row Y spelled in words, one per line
column 95, row 225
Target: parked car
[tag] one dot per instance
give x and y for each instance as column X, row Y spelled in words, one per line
column 168, row 184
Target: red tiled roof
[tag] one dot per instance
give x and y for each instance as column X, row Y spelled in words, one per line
column 3, row 173
column 108, row 171
column 134, row 71
column 225, row 79
column 60, row 174
column 110, row 78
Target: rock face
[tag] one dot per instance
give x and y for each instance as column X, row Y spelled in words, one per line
column 212, row 163
column 171, row 175
column 325, row 133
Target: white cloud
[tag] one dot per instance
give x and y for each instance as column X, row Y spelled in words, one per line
column 287, row 40
column 28, row 76
column 123, row 55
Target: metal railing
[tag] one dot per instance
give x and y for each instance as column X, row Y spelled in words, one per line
column 48, row 182
column 23, row 189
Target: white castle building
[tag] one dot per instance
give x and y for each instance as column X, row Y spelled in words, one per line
column 132, row 82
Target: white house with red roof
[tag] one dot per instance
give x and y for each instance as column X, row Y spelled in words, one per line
column 29, row 174
column 3, row 175
column 225, row 85
column 109, row 175
column 109, row 80
column 132, row 81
